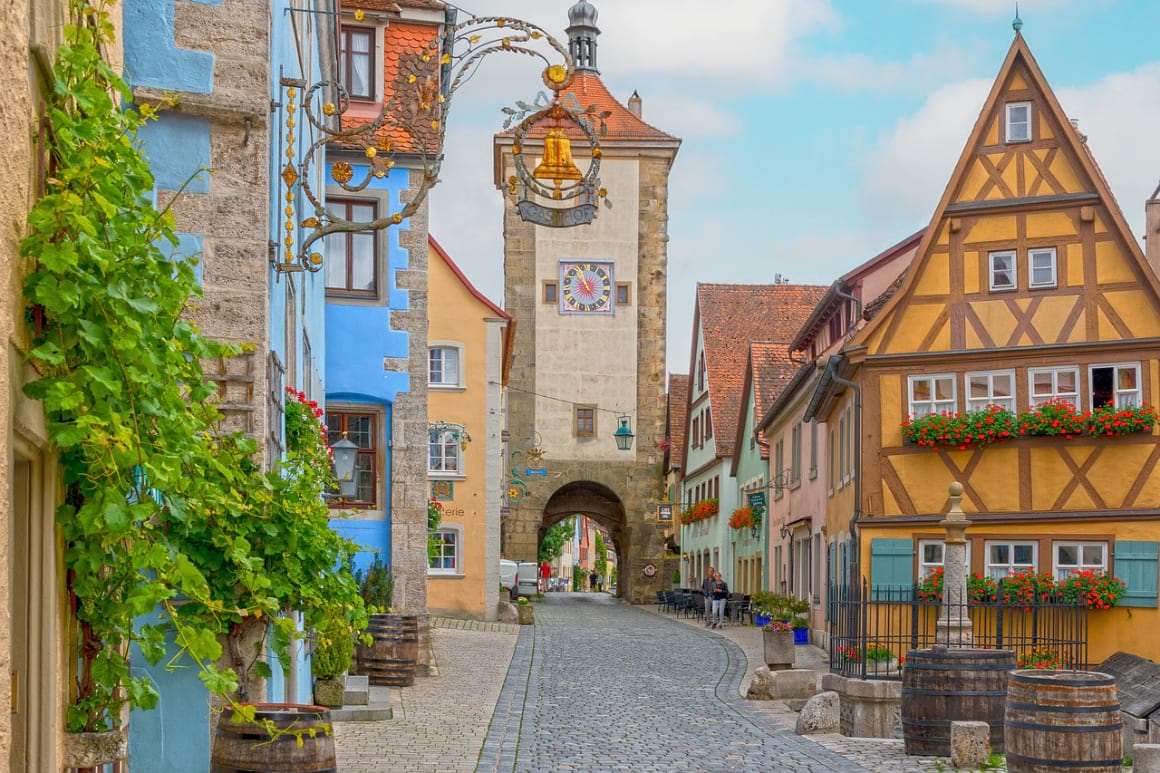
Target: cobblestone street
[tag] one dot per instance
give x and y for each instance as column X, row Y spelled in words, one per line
column 597, row 685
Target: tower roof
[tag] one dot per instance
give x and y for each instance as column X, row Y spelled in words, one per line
column 583, row 14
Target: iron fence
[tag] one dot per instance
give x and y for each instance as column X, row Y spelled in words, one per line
column 872, row 628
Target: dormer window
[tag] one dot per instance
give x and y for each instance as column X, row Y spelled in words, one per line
column 1019, row 122
column 354, row 61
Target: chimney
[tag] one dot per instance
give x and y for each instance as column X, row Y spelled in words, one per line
column 1152, row 230
column 1075, row 125
column 634, row 104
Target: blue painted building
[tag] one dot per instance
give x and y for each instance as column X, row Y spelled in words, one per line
column 229, row 67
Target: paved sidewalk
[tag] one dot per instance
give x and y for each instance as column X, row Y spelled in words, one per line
column 439, row 724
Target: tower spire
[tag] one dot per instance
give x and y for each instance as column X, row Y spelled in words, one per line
column 582, row 34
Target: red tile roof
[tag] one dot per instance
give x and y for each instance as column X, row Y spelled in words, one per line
column 678, row 411
column 730, row 318
column 622, row 124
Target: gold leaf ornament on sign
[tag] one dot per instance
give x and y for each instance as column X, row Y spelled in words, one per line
column 341, row 172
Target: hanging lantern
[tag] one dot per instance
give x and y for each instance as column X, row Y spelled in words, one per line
column 345, row 454
column 623, row 435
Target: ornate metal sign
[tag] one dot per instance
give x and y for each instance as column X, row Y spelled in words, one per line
column 413, row 123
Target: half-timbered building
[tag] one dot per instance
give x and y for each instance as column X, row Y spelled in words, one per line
column 1028, row 287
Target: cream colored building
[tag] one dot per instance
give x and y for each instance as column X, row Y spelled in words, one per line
column 469, row 348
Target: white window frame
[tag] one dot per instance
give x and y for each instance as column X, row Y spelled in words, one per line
column 457, row 554
column 1011, row 565
column 978, row 404
column 832, row 471
column 1061, row 573
column 1073, row 397
column 1122, row 398
column 1032, row 254
column 842, row 449
column 933, row 402
column 447, row 442
column 925, row 568
column 1008, row 123
column 457, row 382
column 1014, row 271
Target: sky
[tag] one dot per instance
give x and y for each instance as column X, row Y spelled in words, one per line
column 815, row 133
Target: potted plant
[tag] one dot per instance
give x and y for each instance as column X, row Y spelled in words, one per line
column 525, row 612
column 333, row 653
column 777, row 642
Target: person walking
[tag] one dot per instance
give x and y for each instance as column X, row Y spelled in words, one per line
column 592, row 582
column 720, row 596
column 545, row 575
column 707, row 589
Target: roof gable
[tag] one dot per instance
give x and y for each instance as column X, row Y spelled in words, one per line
column 730, row 317
column 768, row 370
column 483, row 299
column 1009, row 195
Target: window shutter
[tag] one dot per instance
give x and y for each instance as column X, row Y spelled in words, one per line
column 891, row 567
column 1136, row 564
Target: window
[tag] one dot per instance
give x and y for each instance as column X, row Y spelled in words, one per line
column 1078, row 556
column 1003, row 558
column 697, row 432
column 354, row 61
column 585, row 421
column 448, row 544
column 842, row 448
column 779, row 467
column 835, row 326
column 1003, row 270
column 850, row 443
column 931, row 394
column 623, row 293
column 1042, row 267
column 358, row 428
column 1019, row 122
column 832, row 470
column 443, row 457
column 550, row 292
column 795, row 455
column 708, row 423
column 1118, row 384
column 443, row 366
column 1052, row 383
column 813, row 450
column 701, row 371
column 995, row 388
column 932, row 554
column 351, row 266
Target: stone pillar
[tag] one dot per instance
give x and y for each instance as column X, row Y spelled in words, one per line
column 954, row 623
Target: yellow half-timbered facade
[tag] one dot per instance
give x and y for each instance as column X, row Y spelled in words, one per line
column 1028, row 287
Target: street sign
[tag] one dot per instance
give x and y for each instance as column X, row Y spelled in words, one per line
column 532, row 472
column 664, row 512
column 757, row 501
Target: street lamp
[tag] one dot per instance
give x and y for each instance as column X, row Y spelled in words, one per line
column 345, row 452
column 623, row 435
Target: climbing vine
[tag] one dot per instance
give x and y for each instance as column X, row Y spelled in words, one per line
column 160, row 503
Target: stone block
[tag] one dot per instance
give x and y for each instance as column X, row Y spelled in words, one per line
column 505, row 612
column 795, row 683
column 870, row 708
column 358, row 691
column 761, row 688
column 796, row 704
column 330, row 691
column 970, row 744
column 1146, row 758
column 820, row 714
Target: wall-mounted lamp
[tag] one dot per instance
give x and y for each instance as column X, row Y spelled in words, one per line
column 623, row 435
column 345, row 454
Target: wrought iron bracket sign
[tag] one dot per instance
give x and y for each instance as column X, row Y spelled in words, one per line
column 412, row 125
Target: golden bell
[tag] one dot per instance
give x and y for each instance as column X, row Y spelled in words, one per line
column 557, row 164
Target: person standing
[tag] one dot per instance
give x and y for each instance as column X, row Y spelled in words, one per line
column 720, row 596
column 592, row 582
column 707, row 589
column 545, row 575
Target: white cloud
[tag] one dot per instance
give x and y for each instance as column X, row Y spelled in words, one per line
column 996, row 7
column 861, row 73
column 905, row 175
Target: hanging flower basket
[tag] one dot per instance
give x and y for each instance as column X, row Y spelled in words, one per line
column 744, row 518
column 699, row 511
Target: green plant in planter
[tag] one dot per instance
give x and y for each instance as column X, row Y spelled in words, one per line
column 523, row 601
column 334, row 651
column 376, row 585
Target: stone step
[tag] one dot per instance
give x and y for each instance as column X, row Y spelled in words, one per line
column 357, row 692
column 373, row 712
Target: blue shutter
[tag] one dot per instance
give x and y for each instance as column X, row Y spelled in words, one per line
column 891, row 567
column 1136, row 564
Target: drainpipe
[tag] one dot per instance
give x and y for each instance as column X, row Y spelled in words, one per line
column 855, row 550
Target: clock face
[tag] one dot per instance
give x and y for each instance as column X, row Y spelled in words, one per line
column 586, row 288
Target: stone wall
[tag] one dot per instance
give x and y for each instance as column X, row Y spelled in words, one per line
column 409, row 432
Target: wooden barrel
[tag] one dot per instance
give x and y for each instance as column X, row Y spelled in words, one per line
column 247, row 747
column 941, row 685
column 1063, row 720
column 391, row 658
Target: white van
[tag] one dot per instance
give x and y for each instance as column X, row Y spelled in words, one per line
column 507, row 574
column 529, row 578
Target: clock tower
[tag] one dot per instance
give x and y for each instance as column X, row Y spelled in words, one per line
column 589, row 350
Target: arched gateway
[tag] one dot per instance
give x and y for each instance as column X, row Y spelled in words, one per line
column 588, row 304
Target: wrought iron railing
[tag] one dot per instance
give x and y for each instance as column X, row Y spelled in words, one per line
column 872, row 628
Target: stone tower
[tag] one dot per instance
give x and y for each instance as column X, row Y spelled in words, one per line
column 589, row 310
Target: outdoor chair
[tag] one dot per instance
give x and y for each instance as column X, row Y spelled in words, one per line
column 695, row 606
column 660, row 599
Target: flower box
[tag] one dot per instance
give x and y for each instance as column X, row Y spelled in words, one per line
column 801, row 635
column 779, row 649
